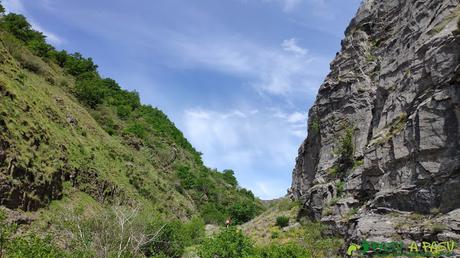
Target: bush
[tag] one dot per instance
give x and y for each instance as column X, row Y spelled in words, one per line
column 282, row 221
column 290, row 250
column 340, row 186
column 229, row 243
column 173, row 237
column 33, row 247
column 346, row 148
column 33, row 64
column 212, row 215
column 242, row 211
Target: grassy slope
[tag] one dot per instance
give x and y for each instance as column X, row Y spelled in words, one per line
column 39, row 114
column 309, row 235
column 50, row 136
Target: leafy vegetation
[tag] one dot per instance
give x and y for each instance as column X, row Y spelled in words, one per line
column 340, row 186
column 28, row 246
column 229, row 243
column 315, row 126
column 282, row 221
column 87, row 142
column 346, row 147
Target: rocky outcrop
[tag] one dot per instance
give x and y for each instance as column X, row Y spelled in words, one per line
column 384, row 132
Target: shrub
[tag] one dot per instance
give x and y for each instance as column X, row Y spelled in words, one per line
column 346, row 147
column 315, row 126
column 33, row 246
column 437, row 228
column 187, row 178
column 137, row 129
column 358, row 163
column 435, row 211
column 33, row 64
column 282, row 221
column 229, row 243
column 291, row 250
column 340, row 186
column 30, row 246
column 327, row 211
column 170, row 240
column 242, row 211
column 212, row 215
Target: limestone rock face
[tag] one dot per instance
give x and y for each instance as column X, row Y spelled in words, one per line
column 394, row 91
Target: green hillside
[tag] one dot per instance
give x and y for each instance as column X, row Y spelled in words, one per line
column 75, row 143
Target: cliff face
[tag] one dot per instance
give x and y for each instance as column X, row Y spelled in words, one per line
column 384, row 132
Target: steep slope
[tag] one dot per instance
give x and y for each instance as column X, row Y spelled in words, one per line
column 61, row 123
column 384, row 133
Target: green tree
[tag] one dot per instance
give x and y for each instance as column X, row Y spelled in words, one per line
column 229, row 177
column 75, row 64
column 40, row 48
column 17, row 25
column 2, row 9
column 89, row 90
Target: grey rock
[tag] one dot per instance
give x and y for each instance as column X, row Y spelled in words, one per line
column 396, row 85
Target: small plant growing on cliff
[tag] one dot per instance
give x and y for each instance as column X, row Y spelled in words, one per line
column 282, row 221
column 340, row 186
column 346, row 146
column 358, row 163
column 327, row 211
column 436, row 228
column 315, row 126
column 434, row 211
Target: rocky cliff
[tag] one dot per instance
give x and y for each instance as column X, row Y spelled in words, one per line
column 382, row 156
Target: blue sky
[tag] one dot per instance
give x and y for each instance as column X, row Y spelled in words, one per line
column 236, row 76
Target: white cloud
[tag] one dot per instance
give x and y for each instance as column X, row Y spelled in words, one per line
column 282, row 70
column 13, row 6
column 16, row 6
column 290, row 5
column 50, row 37
column 297, row 117
column 291, row 45
column 258, row 145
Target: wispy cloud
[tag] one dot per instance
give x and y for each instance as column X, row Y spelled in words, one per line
column 17, row 6
column 52, row 38
column 282, row 70
column 13, row 6
column 245, row 140
column 289, row 5
column 291, row 45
